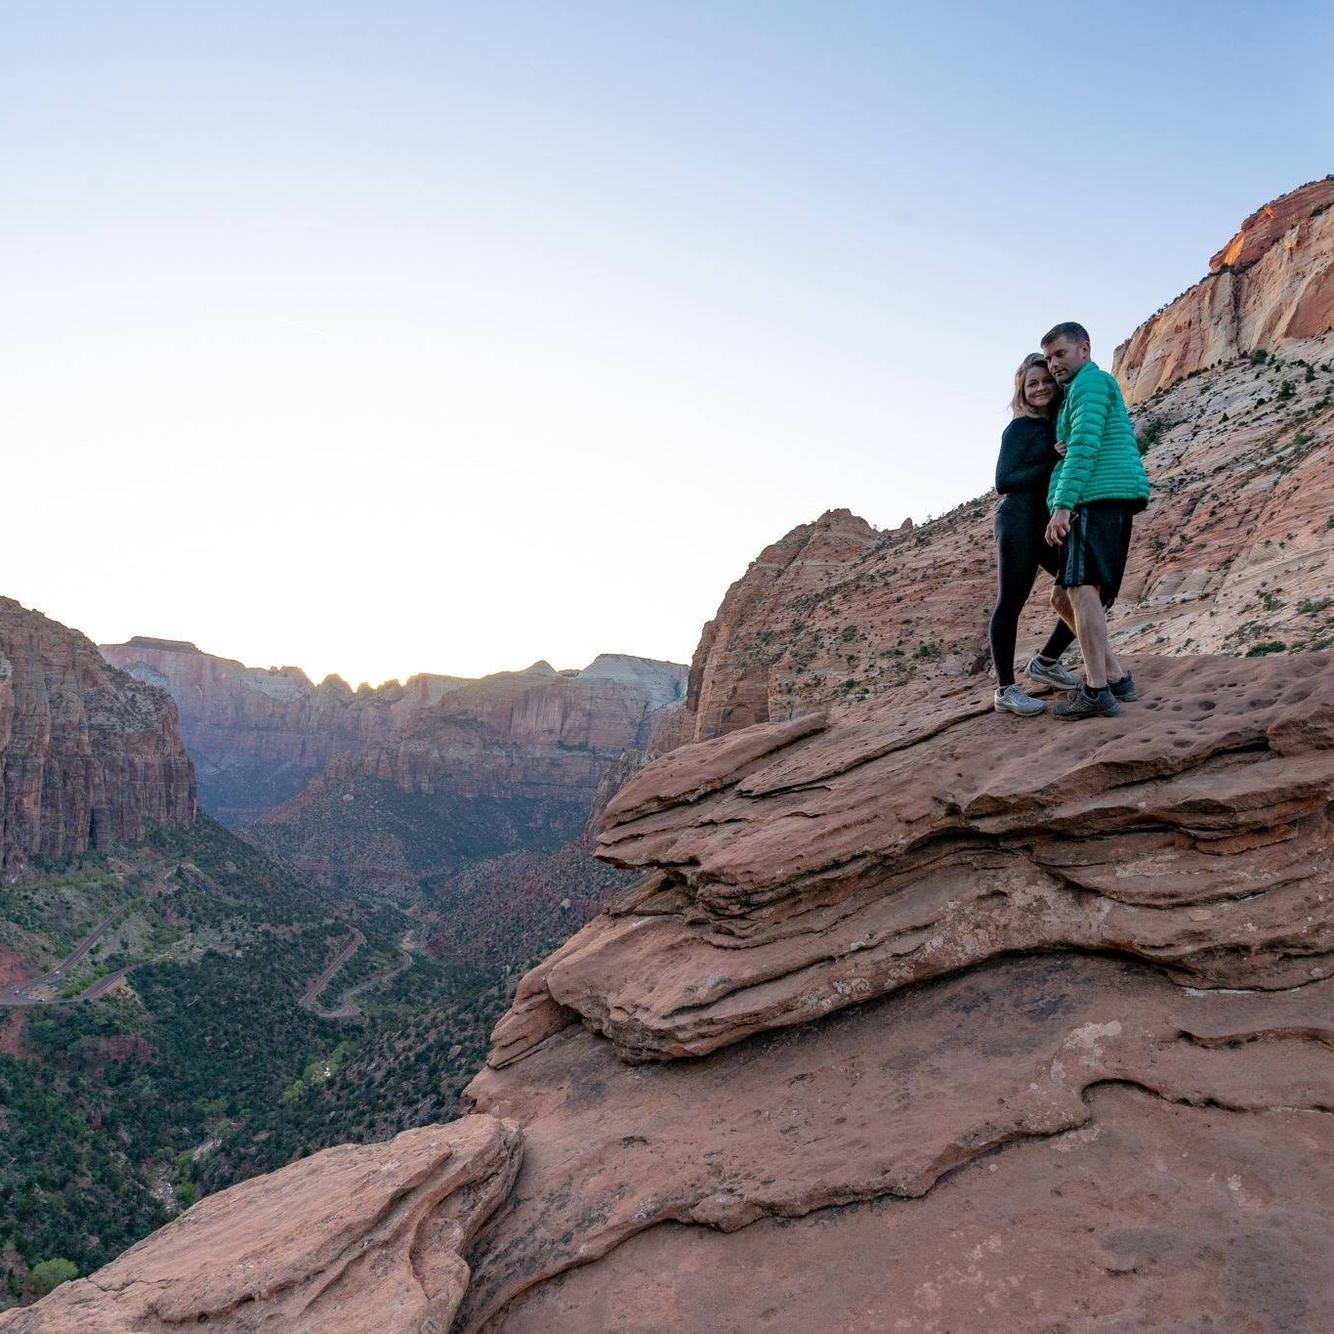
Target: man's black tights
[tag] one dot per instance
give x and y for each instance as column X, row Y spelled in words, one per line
column 1020, row 551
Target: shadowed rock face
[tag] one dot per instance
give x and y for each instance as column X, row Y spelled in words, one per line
column 514, row 761
column 87, row 753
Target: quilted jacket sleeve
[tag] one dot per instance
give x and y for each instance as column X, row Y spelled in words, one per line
column 1086, row 418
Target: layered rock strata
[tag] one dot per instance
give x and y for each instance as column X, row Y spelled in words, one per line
column 1271, row 286
column 87, row 753
column 358, row 1237
column 799, row 868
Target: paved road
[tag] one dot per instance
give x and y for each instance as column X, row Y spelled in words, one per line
column 317, row 987
column 347, row 1002
column 45, row 990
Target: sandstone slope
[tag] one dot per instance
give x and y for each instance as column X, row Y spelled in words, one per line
column 87, row 753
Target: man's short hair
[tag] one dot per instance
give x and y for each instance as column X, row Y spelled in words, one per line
column 1076, row 333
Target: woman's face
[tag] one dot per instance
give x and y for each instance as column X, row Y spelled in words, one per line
column 1039, row 387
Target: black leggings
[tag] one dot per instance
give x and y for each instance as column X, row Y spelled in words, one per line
column 1022, row 550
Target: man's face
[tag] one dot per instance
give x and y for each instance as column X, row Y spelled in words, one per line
column 1065, row 358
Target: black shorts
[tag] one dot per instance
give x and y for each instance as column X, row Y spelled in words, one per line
column 1097, row 546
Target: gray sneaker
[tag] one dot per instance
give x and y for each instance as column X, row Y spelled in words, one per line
column 1013, row 700
column 1124, row 689
column 1051, row 674
column 1079, row 704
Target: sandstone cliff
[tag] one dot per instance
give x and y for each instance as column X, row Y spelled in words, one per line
column 87, row 753
column 259, row 736
column 513, row 761
column 912, row 1028
column 1269, row 288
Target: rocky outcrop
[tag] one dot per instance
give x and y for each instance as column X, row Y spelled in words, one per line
column 358, row 1237
column 920, row 1018
column 1269, row 288
column 995, row 1030
column 1234, row 555
column 511, row 762
column 806, row 866
column 258, row 736
column 88, row 755
column 793, row 574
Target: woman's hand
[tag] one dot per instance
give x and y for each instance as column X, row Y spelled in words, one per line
column 1061, row 448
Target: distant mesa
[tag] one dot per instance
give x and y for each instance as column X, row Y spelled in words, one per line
column 166, row 645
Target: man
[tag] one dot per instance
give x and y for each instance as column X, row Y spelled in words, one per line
column 1095, row 492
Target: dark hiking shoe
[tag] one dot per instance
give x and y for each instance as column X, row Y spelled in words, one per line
column 1051, row 674
column 1124, row 689
column 1080, row 704
column 1013, row 700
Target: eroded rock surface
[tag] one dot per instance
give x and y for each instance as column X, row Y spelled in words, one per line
column 352, row 1239
column 914, row 838
column 885, row 1101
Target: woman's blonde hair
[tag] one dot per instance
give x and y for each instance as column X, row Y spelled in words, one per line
column 1019, row 404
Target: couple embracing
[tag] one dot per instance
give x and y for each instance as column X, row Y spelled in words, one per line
column 1071, row 481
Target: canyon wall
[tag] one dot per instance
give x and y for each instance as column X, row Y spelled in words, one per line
column 1269, row 288
column 511, row 762
column 258, row 736
column 87, row 753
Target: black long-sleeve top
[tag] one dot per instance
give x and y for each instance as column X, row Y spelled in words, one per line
column 1027, row 456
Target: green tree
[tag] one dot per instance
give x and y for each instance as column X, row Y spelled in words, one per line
column 50, row 1274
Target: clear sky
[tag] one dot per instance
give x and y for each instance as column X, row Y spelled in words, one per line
column 390, row 337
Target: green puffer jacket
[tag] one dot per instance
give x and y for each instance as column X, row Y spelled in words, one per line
column 1102, row 459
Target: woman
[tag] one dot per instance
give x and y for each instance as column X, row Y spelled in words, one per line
column 1027, row 456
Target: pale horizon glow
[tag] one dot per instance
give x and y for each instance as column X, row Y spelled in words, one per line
column 408, row 337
